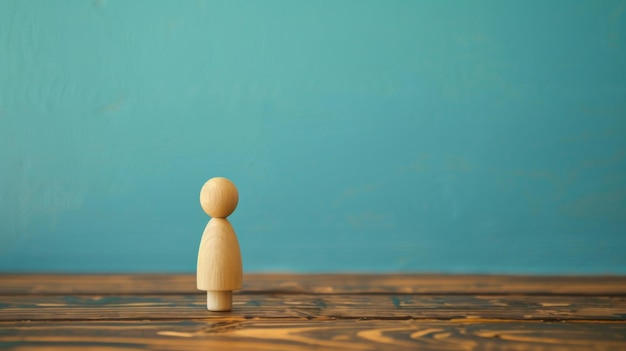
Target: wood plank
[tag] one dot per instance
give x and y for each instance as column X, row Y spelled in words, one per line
column 292, row 335
column 12, row 284
column 522, row 307
column 306, row 312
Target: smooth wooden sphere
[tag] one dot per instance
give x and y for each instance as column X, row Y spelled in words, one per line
column 219, row 197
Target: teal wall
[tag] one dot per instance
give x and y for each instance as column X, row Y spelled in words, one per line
column 430, row 136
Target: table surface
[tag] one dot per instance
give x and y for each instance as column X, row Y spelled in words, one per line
column 322, row 311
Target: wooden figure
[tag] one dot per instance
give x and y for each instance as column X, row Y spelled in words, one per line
column 219, row 258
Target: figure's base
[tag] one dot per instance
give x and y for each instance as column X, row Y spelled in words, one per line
column 219, row 301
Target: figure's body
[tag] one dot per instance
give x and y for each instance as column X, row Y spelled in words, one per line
column 219, row 270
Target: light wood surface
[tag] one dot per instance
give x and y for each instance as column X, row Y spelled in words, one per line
column 220, row 268
column 219, row 301
column 219, row 258
column 312, row 312
column 219, row 197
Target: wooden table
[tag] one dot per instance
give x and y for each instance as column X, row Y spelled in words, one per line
column 304, row 312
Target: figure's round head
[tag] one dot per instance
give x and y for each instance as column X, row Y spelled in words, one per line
column 219, row 197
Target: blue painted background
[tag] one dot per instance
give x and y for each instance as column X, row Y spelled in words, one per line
column 429, row 136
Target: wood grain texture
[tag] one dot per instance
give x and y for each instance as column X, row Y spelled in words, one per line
column 317, row 284
column 313, row 312
column 219, row 270
column 219, row 197
column 219, row 258
column 399, row 307
column 297, row 334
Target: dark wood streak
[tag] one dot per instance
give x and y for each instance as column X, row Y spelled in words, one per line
column 312, row 312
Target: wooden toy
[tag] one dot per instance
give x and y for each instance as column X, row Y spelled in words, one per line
column 219, row 269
